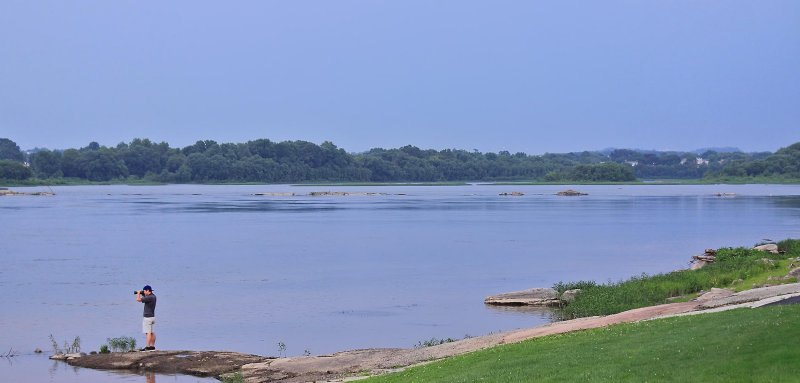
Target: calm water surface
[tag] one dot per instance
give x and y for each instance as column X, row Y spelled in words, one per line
column 237, row 271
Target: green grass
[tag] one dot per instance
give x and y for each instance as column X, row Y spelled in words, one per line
column 733, row 264
column 743, row 345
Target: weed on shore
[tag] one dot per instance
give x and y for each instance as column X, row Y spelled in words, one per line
column 736, row 268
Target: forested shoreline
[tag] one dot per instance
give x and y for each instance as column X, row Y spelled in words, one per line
column 265, row 161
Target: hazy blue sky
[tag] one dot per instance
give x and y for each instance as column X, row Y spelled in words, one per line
column 530, row 76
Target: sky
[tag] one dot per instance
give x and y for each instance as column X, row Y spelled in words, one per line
column 522, row 76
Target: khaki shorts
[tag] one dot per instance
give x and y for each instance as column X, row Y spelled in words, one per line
column 147, row 325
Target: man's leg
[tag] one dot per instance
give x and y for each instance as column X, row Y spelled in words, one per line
column 151, row 339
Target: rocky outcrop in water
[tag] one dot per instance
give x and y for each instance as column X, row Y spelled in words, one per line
column 329, row 193
column 530, row 297
column 570, row 193
column 13, row 193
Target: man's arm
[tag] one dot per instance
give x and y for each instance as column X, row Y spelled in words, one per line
column 139, row 296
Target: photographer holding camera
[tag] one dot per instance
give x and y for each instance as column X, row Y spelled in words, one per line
column 147, row 297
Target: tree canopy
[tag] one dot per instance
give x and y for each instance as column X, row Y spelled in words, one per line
column 265, row 161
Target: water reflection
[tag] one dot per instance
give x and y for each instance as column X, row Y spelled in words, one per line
column 787, row 202
column 552, row 314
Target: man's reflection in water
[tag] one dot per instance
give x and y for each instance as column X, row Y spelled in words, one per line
column 151, row 377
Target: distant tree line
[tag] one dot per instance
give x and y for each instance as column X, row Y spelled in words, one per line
column 784, row 163
column 266, row 161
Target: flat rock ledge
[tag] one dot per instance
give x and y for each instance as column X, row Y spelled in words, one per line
column 349, row 365
column 541, row 296
column 196, row 363
column 258, row 369
column 570, row 193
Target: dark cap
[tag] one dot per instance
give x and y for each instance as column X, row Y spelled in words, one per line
column 147, row 287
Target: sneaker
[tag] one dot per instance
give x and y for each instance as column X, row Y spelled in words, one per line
column 144, row 349
column 150, row 348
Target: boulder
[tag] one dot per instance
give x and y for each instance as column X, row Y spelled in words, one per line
column 770, row 247
column 795, row 273
column 699, row 261
column 698, row 265
column 705, row 257
column 516, row 194
column 569, row 295
column 531, row 297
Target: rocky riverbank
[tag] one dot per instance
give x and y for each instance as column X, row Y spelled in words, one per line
column 544, row 296
column 350, row 365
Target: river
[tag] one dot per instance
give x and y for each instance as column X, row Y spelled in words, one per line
column 233, row 270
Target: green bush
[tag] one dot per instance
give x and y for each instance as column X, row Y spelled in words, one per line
column 122, row 344
column 13, row 170
column 790, row 246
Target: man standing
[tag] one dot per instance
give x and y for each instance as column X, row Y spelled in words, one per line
column 147, row 297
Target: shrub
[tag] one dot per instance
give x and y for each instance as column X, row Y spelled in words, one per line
column 561, row 286
column 433, row 342
column 235, row 377
column 68, row 348
column 122, row 344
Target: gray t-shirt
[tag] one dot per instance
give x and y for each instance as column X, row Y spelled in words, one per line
column 149, row 305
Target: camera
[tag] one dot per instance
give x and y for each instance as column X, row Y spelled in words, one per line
column 138, row 292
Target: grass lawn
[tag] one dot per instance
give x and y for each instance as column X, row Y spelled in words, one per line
column 742, row 345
